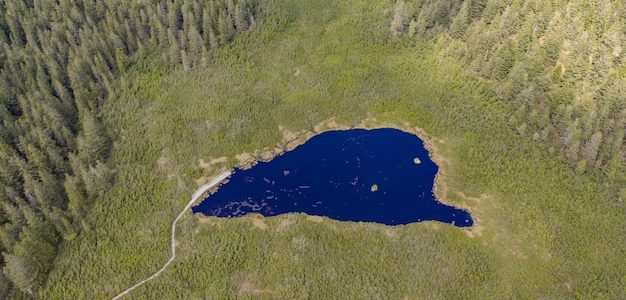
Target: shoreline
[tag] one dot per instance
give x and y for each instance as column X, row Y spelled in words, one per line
column 291, row 140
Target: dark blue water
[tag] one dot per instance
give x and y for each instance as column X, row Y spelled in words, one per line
column 351, row 175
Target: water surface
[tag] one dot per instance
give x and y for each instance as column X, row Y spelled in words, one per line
column 380, row 175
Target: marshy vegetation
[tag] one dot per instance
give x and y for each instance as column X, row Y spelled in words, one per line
column 524, row 100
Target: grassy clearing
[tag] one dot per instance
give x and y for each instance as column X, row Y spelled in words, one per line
column 545, row 232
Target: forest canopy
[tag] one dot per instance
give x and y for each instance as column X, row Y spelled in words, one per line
column 559, row 64
column 551, row 72
column 59, row 62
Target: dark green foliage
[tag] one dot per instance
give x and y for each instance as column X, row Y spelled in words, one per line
column 93, row 141
column 424, row 16
column 58, row 64
column 29, row 260
column 88, row 91
column 476, row 8
column 76, row 196
column 97, row 179
column 543, row 231
column 21, row 272
column 548, row 55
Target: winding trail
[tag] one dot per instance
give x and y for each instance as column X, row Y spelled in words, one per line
column 197, row 194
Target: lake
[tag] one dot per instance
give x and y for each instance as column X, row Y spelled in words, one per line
column 380, row 175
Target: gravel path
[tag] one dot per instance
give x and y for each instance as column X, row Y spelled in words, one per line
column 197, row 194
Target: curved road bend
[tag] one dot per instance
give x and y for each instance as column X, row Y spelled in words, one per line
column 197, row 194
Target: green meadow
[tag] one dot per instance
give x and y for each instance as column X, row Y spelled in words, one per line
column 542, row 230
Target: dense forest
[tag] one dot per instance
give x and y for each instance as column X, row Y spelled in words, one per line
column 560, row 64
column 59, row 62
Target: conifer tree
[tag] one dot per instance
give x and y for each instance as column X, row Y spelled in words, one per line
column 76, row 196
column 225, row 27
column 58, row 64
column 93, row 141
column 97, row 179
column 241, row 20
column 22, row 274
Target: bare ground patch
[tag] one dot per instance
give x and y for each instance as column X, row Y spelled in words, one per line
column 298, row 242
column 315, row 219
column 161, row 161
column 258, row 222
column 244, row 158
column 210, row 221
column 476, row 230
column 391, row 232
column 209, row 166
column 212, row 161
column 246, row 288
column 285, row 223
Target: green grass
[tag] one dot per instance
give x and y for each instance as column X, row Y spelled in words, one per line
column 545, row 232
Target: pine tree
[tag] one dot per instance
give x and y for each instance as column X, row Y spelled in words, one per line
column 9, row 171
column 61, row 224
column 196, row 44
column 185, row 60
column 9, row 234
column 460, row 22
column 592, row 147
column 93, row 141
column 76, row 196
column 207, row 26
column 241, row 20
column 4, row 286
column 399, row 21
column 97, row 179
column 503, row 60
column 572, row 142
column 21, row 273
column 213, row 40
column 174, row 51
column 476, row 8
column 225, row 27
